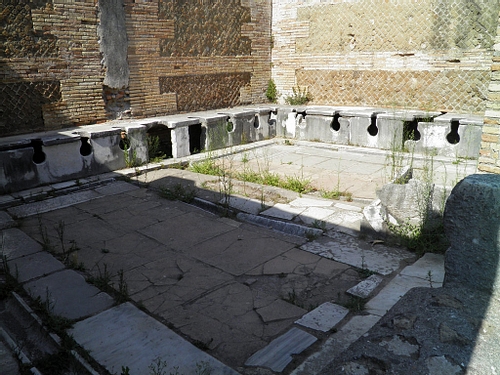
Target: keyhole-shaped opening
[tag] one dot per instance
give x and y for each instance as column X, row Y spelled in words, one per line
column 38, row 154
column 335, row 124
column 85, row 147
column 453, row 137
column 372, row 129
column 124, row 143
column 256, row 122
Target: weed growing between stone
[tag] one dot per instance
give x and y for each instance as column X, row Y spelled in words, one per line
column 299, row 96
column 178, row 192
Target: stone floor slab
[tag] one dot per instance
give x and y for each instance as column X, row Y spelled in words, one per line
column 283, row 211
column 6, row 221
column 53, row 203
column 125, row 336
column 278, row 354
column 430, row 267
column 365, row 287
column 16, row 243
column 348, row 250
column 34, row 265
column 251, row 206
column 279, row 310
column 316, row 215
column 392, row 293
column 324, row 317
column 68, row 295
column 336, row 344
column 310, row 202
column 116, row 187
column 348, row 207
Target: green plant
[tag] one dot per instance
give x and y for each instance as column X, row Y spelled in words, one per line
column 207, row 166
column 355, row 304
column 272, row 92
column 131, row 160
column 155, row 154
column 297, row 184
column 178, row 192
column 122, row 288
column 46, row 244
column 319, row 224
column 103, row 279
column 299, row 96
column 336, row 194
column 203, row 368
column 125, row 370
column 159, row 367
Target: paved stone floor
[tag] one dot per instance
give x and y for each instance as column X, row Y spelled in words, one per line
column 239, row 292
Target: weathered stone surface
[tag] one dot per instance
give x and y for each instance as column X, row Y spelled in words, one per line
column 453, row 329
column 324, row 317
column 278, row 354
column 366, row 287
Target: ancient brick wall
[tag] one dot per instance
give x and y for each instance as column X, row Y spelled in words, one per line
column 56, row 60
column 50, row 69
column 489, row 155
column 426, row 54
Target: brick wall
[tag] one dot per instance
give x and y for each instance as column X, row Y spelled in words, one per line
column 422, row 54
column 50, row 70
column 51, row 73
column 489, row 160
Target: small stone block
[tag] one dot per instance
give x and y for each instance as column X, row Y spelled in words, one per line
column 282, row 211
column 365, row 287
column 278, row 354
column 348, row 207
column 308, row 202
column 324, row 317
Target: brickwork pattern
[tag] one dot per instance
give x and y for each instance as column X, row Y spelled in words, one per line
column 186, row 40
column 201, row 92
column 412, row 54
column 50, row 66
column 489, row 155
column 21, row 105
column 18, row 37
column 400, row 89
column 201, row 29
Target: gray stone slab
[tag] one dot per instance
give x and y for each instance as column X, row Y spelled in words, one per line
column 348, row 207
column 68, row 295
column 310, row 202
column 116, row 187
column 126, row 336
column 392, row 293
column 53, row 203
column 6, row 221
column 365, row 287
column 279, row 310
column 324, row 317
column 336, row 344
column 7, row 200
column 33, row 266
column 430, row 268
column 349, row 250
column 314, row 214
column 16, row 243
column 283, row 211
column 251, row 206
column 278, row 354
